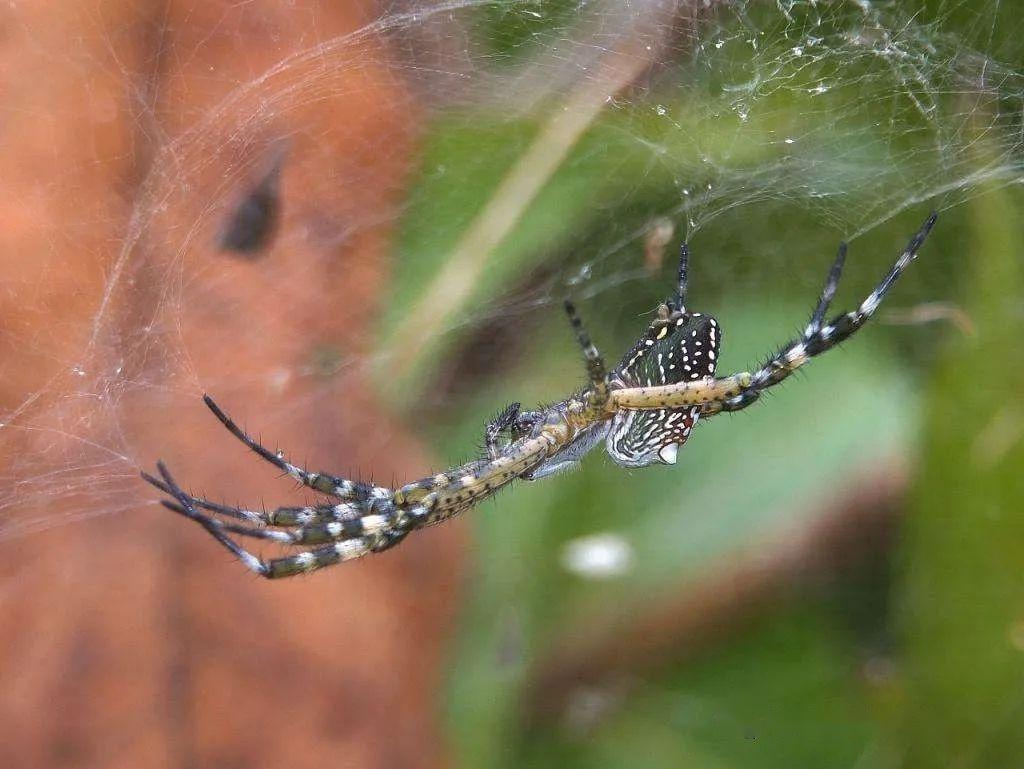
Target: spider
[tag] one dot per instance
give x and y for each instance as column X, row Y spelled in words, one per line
column 644, row 410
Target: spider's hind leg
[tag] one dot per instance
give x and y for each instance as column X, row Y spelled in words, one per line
column 818, row 338
column 280, row 516
column 785, row 356
column 322, row 482
column 597, row 372
column 213, row 527
column 345, row 545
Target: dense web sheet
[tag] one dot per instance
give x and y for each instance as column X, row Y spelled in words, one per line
column 675, row 114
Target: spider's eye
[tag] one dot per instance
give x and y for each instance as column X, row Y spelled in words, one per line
column 682, row 350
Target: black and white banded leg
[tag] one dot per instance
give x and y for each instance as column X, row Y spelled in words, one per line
column 819, row 337
column 334, row 486
column 678, row 303
column 286, row 515
column 597, row 372
column 502, row 423
column 350, row 539
column 737, row 391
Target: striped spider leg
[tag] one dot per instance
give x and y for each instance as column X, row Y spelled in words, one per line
column 352, row 537
column 740, row 390
column 368, row 519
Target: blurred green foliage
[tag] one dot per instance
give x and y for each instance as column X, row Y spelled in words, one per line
column 926, row 670
column 740, row 479
column 962, row 599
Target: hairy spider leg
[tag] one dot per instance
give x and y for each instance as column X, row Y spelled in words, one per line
column 596, row 370
column 322, row 482
column 311, row 534
column 738, row 391
column 422, row 502
column 250, row 561
column 307, row 529
column 298, row 563
column 449, row 493
column 684, row 261
column 281, row 516
column 456, row 490
column 828, row 293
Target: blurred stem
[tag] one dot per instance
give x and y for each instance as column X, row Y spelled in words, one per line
column 963, row 593
column 455, row 283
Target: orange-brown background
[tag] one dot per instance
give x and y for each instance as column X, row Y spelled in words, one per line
column 126, row 639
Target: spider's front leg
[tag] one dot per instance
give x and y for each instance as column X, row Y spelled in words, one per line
column 286, row 515
column 356, row 497
column 738, row 391
column 376, row 523
column 352, row 537
column 365, row 520
column 322, row 482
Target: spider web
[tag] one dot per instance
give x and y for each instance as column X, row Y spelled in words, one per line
column 590, row 134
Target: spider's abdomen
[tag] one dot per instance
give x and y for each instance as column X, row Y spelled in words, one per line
column 676, row 350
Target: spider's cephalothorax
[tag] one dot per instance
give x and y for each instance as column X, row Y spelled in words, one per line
column 644, row 410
